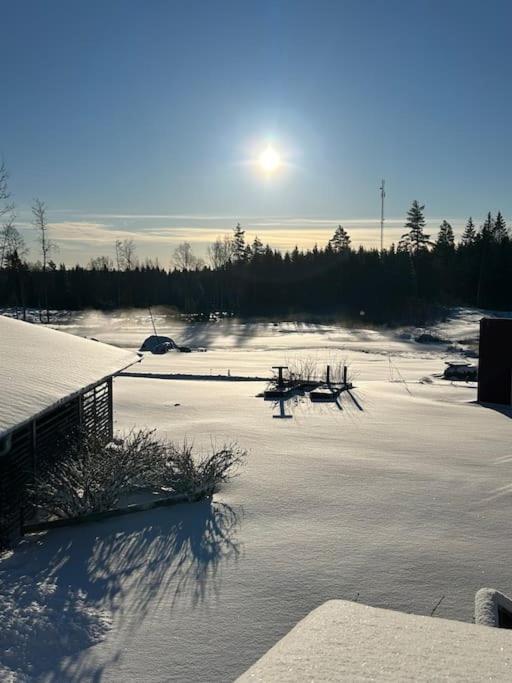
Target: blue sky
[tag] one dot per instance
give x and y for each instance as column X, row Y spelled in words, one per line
column 140, row 118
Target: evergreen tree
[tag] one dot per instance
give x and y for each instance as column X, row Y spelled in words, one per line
column 340, row 241
column 469, row 234
column 16, row 269
column 445, row 239
column 303, row 281
column 239, row 249
column 415, row 239
column 486, row 230
column 499, row 229
column 257, row 248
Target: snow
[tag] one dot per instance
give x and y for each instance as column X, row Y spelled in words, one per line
column 41, row 366
column 43, row 618
column 488, row 605
column 398, row 506
column 332, row 644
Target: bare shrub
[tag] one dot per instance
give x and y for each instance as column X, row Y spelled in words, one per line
column 304, row 369
column 94, row 472
column 309, row 369
column 182, row 472
column 337, row 370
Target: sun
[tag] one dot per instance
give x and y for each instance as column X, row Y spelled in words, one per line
column 269, row 160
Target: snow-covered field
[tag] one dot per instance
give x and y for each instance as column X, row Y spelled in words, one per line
column 398, row 505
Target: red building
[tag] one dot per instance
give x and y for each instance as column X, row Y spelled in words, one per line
column 495, row 364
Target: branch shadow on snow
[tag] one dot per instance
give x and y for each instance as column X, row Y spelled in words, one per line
column 60, row 592
column 178, row 558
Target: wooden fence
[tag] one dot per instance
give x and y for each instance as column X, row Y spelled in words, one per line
column 26, row 449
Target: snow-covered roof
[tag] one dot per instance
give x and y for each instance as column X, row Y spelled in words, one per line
column 346, row 641
column 39, row 367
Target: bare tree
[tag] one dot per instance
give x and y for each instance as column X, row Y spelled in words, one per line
column 125, row 255
column 6, row 206
column 11, row 242
column 118, row 254
column 101, row 263
column 10, row 238
column 220, row 252
column 184, row 259
column 40, row 223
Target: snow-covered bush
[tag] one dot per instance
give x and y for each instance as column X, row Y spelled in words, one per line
column 94, row 473
column 182, row 472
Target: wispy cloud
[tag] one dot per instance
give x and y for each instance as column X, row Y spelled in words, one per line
column 83, row 235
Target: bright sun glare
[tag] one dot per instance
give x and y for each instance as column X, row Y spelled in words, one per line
column 269, row 160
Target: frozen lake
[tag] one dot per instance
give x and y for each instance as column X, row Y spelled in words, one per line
column 400, row 505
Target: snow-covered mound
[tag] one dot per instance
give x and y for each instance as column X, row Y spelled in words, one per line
column 461, row 371
column 158, row 344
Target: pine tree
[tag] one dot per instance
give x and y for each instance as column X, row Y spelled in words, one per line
column 257, row 248
column 340, row 241
column 486, row 231
column 445, row 239
column 499, row 229
column 469, row 234
column 239, row 250
column 415, row 239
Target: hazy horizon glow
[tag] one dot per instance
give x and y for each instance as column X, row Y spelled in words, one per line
column 156, row 236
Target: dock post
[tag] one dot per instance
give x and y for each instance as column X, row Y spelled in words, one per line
column 280, row 368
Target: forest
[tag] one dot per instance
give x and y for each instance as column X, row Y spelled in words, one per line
column 409, row 282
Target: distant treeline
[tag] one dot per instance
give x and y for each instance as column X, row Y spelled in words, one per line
column 406, row 283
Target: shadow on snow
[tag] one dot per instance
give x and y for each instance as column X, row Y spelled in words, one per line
column 60, row 591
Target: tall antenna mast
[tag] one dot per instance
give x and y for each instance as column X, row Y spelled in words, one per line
column 382, row 195
column 152, row 321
